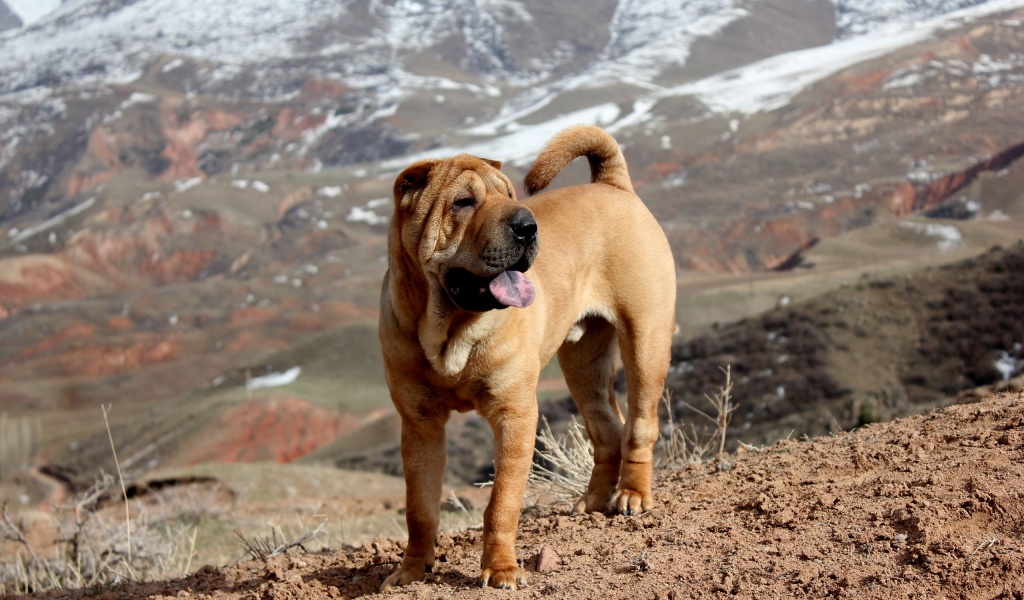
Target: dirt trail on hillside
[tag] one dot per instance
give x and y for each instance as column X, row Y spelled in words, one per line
column 926, row 507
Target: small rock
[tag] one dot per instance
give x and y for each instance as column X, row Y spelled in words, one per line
column 547, row 560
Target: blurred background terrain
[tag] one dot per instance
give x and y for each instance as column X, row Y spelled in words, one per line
column 194, row 199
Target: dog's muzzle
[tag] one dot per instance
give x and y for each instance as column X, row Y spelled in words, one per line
column 500, row 283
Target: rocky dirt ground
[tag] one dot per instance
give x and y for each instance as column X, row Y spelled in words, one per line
column 930, row 506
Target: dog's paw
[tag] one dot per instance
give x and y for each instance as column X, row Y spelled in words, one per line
column 591, row 503
column 630, row 502
column 403, row 576
column 504, row 579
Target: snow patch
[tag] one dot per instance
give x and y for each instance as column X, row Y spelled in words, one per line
column 857, row 17
column 19, row 236
column 187, row 184
column 1007, row 364
column 332, row 191
column 274, row 379
column 360, row 214
column 771, row 83
column 32, row 11
column 649, row 35
column 138, row 98
column 521, row 146
column 903, row 80
column 174, row 64
column 949, row 235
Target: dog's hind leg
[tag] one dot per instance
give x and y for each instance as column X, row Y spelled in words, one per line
column 589, row 368
column 646, row 353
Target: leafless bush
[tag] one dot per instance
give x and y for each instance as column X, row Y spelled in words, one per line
column 681, row 443
column 566, row 460
column 685, row 443
column 459, row 514
column 563, row 462
column 266, row 547
column 92, row 548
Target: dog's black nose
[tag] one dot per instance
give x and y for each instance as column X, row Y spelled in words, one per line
column 523, row 225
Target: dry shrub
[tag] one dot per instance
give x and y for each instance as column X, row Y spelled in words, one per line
column 563, row 462
column 780, row 350
column 970, row 327
column 280, row 542
column 92, row 548
column 95, row 546
column 685, row 443
column 459, row 514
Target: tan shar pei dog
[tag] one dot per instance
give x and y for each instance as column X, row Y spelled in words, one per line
column 482, row 290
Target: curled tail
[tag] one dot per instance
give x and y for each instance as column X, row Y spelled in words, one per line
column 606, row 162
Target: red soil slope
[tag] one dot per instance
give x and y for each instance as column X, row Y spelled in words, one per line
column 279, row 429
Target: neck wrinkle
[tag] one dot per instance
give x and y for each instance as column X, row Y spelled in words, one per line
column 449, row 335
column 407, row 286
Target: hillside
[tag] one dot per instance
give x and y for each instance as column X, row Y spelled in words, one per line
column 928, row 506
column 880, row 348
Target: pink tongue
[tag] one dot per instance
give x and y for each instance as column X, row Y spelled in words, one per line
column 512, row 288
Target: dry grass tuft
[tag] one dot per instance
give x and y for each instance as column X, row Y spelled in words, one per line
column 91, row 549
column 265, row 548
column 685, row 443
column 563, row 463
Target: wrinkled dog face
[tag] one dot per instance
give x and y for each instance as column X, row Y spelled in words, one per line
column 460, row 219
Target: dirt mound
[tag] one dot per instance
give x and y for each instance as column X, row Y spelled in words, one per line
column 928, row 506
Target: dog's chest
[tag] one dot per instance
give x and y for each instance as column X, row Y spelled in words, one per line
column 461, row 394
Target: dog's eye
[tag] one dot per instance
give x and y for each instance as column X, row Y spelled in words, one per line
column 467, row 202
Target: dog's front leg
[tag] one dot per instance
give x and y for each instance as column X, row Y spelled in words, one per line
column 423, row 459
column 514, row 424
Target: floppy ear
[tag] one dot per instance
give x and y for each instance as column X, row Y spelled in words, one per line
column 413, row 178
column 494, row 163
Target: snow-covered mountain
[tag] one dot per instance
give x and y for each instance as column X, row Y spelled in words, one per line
column 182, row 89
column 372, row 43
column 512, row 57
column 366, row 80
column 30, row 11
